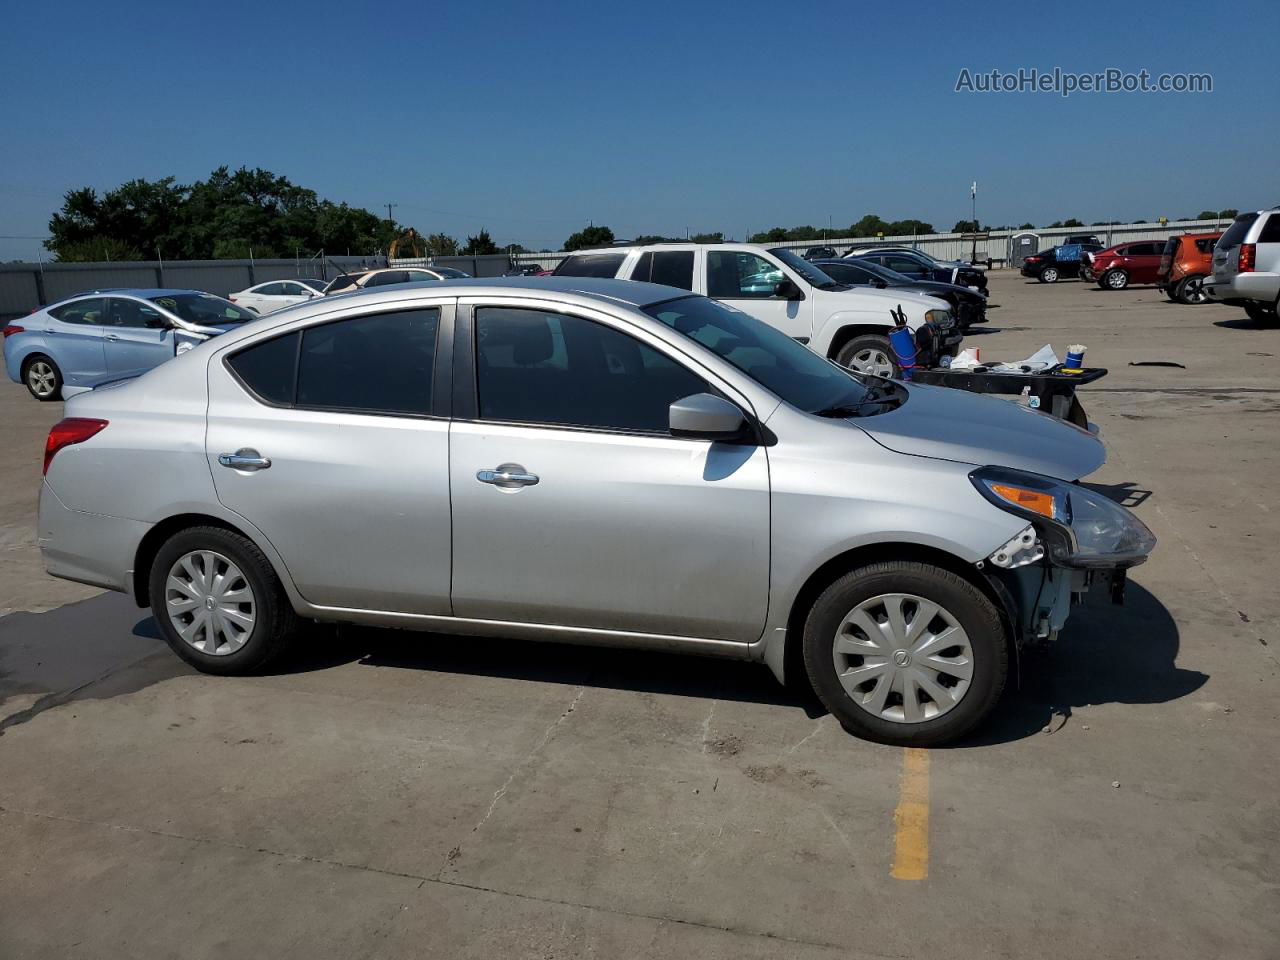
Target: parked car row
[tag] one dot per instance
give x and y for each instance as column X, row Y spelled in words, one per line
column 278, row 294
column 847, row 323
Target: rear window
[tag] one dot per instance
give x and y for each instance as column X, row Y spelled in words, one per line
column 591, row 265
column 1236, row 232
column 1205, row 244
column 1171, row 246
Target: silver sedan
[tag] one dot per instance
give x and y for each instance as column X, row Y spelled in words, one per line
column 591, row 461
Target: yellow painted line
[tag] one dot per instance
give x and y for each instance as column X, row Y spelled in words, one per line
column 911, row 845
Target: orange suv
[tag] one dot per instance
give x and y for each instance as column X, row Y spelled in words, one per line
column 1184, row 264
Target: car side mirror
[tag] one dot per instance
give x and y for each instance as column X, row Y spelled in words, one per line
column 703, row 416
column 787, row 289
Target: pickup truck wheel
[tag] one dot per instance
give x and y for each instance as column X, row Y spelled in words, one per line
column 1114, row 280
column 906, row 653
column 42, row 377
column 218, row 602
column 1190, row 290
column 1049, row 275
column 870, row 354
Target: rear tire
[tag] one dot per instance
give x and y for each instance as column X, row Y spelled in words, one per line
column 1260, row 312
column 218, row 602
column 1114, row 280
column 1048, row 275
column 42, row 377
column 1190, row 290
column 866, row 663
column 870, row 353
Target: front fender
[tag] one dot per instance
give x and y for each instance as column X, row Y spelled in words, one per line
column 826, row 332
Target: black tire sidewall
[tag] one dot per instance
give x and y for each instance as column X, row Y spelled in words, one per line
column 57, row 377
column 264, row 641
column 866, row 340
column 963, row 600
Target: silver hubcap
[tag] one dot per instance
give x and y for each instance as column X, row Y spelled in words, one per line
column 903, row 658
column 1116, row 280
column 41, row 378
column 210, row 603
column 1051, row 275
column 872, row 360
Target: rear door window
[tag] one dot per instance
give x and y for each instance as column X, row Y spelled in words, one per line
column 272, row 290
column 381, row 364
column 591, row 265
column 388, row 278
column 672, row 268
column 87, row 312
column 739, row 275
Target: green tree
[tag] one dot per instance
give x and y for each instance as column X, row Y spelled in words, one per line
column 442, row 245
column 1026, row 226
column 592, row 236
column 966, row 226
column 717, row 237
column 480, row 245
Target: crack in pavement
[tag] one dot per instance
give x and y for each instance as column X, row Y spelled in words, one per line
column 457, row 884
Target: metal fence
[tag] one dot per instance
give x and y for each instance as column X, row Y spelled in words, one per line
column 954, row 246
column 26, row 286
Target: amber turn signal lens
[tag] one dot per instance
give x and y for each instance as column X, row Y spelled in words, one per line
column 1033, row 500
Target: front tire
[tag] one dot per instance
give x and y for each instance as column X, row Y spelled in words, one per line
column 906, row 653
column 1114, row 280
column 872, row 354
column 42, row 378
column 1190, row 290
column 1049, row 275
column 218, row 602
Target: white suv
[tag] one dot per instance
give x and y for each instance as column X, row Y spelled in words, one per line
column 1246, row 264
column 849, row 325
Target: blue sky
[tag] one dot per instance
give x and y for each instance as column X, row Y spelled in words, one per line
column 532, row 118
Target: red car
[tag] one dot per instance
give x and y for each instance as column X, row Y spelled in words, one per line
column 1125, row 263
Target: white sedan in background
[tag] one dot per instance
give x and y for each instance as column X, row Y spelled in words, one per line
column 277, row 294
column 368, row 279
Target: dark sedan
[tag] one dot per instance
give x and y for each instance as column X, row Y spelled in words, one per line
column 1057, row 263
column 968, row 305
column 919, row 266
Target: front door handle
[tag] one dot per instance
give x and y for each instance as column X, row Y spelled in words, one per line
column 244, row 459
column 509, row 476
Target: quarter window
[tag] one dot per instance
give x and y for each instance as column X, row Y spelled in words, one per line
column 388, row 278
column 269, row 368
column 86, row 312
column 547, row 368
column 591, row 265
column 737, row 275
column 1270, row 232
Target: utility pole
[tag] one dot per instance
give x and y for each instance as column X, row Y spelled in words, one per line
column 390, row 219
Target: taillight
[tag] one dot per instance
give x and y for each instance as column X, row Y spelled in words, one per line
column 69, row 431
column 1033, row 259
column 1248, row 254
column 11, row 329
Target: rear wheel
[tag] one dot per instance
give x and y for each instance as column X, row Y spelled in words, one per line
column 870, row 353
column 42, row 377
column 1260, row 312
column 1049, row 275
column 1114, row 280
column 906, row 653
column 1190, row 290
column 218, row 602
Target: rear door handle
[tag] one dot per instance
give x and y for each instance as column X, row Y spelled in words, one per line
column 244, row 459
column 112, row 336
column 508, row 476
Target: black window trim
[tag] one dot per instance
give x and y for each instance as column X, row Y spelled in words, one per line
column 466, row 385
column 441, row 372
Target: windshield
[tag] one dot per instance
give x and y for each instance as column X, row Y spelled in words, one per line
column 786, row 368
column 313, row 284
column 803, row 267
column 203, row 309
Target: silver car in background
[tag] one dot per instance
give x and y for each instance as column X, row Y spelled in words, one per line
column 593, row 461
column 1246, row 265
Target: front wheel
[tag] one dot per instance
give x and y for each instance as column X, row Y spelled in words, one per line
column 43, row 378
column 1049, row 275
column 1190, row 290
column 870, row 354
column 1114, row 280
column 906, row 653
column 218, row 602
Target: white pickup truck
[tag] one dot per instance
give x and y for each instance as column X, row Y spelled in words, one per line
column 849, row 325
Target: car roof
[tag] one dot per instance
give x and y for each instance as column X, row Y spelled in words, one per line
column 145, row 293
column 633, row 293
